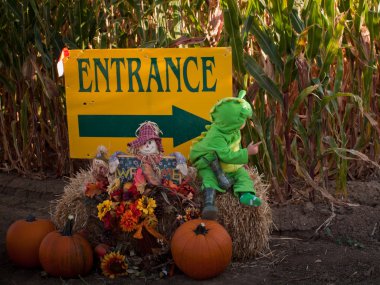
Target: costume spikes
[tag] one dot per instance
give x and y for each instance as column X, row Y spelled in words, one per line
column 241, row 94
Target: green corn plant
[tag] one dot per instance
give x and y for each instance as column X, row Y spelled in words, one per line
column 31, row 106
column 304, row 46
column 362, row 38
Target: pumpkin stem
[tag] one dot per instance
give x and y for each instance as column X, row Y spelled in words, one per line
column 68, row 229
column 201, row 229
column 30, row 218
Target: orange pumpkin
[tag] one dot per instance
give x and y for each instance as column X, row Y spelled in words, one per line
column 201, row 248
column 23, row 240
column 66, row 254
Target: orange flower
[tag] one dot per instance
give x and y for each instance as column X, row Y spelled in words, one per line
column 128, row 221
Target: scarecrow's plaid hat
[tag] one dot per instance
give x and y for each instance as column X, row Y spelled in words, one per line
column 147, row 131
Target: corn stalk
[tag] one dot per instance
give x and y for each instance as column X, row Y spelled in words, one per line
column 296, row 62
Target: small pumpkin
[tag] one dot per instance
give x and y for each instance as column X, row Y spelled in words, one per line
column 101, row 249
column 66, row 254
column 201, row 248
column 23, row 240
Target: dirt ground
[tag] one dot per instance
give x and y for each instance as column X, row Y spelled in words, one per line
column 311, row 243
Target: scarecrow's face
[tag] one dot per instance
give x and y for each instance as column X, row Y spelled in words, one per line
column 150, row 147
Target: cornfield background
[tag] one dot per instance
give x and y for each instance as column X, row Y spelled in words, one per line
column 310, row 69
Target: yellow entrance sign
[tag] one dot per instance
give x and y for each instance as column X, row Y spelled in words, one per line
column 109, row 93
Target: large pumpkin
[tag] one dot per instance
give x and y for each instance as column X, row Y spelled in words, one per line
column 66, row 254
column 23, row 240
column 201, row 248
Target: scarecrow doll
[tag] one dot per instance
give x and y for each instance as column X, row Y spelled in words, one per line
column 219, row 157
column 148, row 149
column 100, row 172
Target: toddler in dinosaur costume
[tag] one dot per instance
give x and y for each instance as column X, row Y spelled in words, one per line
column 219, row 157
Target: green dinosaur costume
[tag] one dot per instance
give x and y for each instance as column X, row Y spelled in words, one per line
column 222, row 140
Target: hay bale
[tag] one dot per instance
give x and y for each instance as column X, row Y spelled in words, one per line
column 249, row 227
column 72, row 202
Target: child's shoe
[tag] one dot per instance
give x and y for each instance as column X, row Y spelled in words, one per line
column 209, row 212
column 250, row 199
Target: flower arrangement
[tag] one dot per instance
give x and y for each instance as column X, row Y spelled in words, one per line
column 128, row 220
column 132, row 210
column 129, row 210
column 138, row 214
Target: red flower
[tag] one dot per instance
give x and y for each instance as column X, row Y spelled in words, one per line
column 107, row 221
column 133, row 190
column 120, row 210
column 117, row 194
column 102, row 184
column 131, row 193
column 133, row 207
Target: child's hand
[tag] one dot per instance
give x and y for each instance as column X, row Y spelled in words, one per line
column 253, row 148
